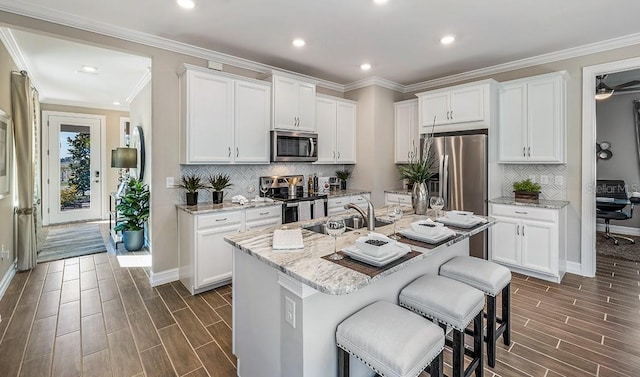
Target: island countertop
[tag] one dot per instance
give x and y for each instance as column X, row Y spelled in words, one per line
column 307, row 265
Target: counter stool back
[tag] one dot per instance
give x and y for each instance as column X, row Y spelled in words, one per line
column 450, row 303
column 390, row 340
column 492, row 279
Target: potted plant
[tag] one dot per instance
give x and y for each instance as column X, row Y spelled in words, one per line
column 526, row 191
column 218, row 183
column 417, row 172
column 133, row 212
column 343, row 175
column 191, row 183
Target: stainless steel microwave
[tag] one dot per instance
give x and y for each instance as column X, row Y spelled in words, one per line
column 293, row 146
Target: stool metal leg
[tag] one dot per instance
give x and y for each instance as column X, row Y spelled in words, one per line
column 491, row 330
column 506, row 314
column 458, row 353
column 478, row 340
column 343, row 363
column 436, row 368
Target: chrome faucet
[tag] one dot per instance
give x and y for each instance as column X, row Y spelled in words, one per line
column 369, row 217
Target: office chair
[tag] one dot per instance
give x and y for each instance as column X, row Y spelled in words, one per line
column 607, row 191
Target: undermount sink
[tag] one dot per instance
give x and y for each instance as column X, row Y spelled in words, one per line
column 352, row 223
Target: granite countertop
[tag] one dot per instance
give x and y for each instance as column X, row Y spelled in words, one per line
column 542, row 203
column 308, row 266
column 347, row 192
column 201, row 208
column 401, row 191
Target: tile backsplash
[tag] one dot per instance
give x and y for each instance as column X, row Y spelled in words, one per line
column 555, row 187
column 245, row 177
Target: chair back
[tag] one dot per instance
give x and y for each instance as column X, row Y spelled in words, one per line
column 611, row 188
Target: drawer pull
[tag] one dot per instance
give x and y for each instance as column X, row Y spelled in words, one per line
column 225, row 219
column 523, row 231
column 518, row 230
column 521, row 212
column 264, row 213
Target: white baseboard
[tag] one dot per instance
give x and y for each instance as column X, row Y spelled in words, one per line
column 574, row 268
column 6, row 279
column 163, row 277
column 617, row 229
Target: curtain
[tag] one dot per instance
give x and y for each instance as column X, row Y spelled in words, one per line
column 636, row 117
column 37, row 168
column 23, row 121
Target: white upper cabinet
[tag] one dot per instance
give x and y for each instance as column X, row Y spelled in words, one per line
column 407, row 133
column 457, row 108
column 532, row 120
column 224, row 118
column 336, row 122
column 294, row 104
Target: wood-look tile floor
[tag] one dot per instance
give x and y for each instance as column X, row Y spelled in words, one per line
column 88, row 317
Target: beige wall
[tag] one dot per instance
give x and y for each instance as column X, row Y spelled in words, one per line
column 112, row 131
column 6, row 204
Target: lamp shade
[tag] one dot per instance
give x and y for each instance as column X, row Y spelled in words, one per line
column 125, row 158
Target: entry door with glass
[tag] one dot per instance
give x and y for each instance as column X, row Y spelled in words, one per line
column 74, row 169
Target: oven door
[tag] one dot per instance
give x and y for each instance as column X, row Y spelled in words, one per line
column 290, row 213
column 294, row 146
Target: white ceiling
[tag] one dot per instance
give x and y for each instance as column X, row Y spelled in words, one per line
column 400, row 39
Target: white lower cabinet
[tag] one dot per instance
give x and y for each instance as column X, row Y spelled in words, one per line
column 205, row 257
column 393, row 198
column 529, row 240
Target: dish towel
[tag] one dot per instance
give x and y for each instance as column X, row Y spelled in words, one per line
column 318, row 209
column 304, row 210
column 287, row 239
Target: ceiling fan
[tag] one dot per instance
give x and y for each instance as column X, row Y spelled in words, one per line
column 604, row 91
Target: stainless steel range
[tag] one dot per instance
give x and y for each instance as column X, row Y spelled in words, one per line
column 297, row 205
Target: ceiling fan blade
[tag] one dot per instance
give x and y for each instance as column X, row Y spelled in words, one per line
column 626, row 84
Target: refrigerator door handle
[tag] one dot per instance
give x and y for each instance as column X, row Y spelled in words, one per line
column 440, row 176
column 445, row 180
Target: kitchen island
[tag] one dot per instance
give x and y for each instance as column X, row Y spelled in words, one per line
column 287, row 305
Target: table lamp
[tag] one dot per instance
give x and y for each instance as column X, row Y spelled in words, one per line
column 123, row 159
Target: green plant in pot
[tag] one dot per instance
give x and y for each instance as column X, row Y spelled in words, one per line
column 191, row 183
column 343, row 175
column 526, row 190
column 133, row 212
column 218, row 183
column 417, row 172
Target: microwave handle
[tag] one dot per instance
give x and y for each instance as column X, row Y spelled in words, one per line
column 313, row 147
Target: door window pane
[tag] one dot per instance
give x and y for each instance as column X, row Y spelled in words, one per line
column 75, row 167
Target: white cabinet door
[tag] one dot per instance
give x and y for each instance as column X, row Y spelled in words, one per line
column 434, row 105
column 252, row 116
column 466, row 104
column 346, row 133
column 545, row 120
column 284, row 103
column 336, row 205
column 513, row 123
column 394, row 199
column 539, row 246
column 209, row 118
column 505, row 241
column 326, row 119
column 407, row 134
column 306, row 104
column 214, row 255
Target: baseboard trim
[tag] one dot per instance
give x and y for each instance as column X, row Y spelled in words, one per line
column 163, row 277
column 617, row 229
column 574, row 268
column 6, row 279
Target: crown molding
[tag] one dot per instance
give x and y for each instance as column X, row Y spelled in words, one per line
column 379, row 81
column 89, row 105
column 144, row 80
column 573, row 52
column 9, row 42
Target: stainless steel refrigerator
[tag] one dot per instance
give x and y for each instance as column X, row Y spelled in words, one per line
column 461, row 177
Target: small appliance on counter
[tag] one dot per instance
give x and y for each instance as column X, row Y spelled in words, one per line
column 296, row 204
column 326, row 184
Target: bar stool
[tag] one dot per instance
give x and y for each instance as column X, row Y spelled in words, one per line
column 491, row 278
column 450, row 303
column 391, row 341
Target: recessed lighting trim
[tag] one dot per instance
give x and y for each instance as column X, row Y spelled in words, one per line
column 365, row 66
column 447, row 39
column 89, row 69
column 299, row 42
column 186, row 4
column 380, row 2
column 117, row 103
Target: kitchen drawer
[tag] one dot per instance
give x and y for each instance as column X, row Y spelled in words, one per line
column 219, row 219
column 264, row 213
column 398, row 198
column 340, row 201
column 360, row 199
column 523, row 212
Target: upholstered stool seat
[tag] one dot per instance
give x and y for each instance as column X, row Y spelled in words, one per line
column 450, row 303
column 492, row 279
column 391, row 341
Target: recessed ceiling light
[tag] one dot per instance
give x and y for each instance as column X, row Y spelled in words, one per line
column 380, row 1
column 117, row 103
column 186, row 4
column 447, row 39
column 299, row 42
column 89, row 69
column 365, row 67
